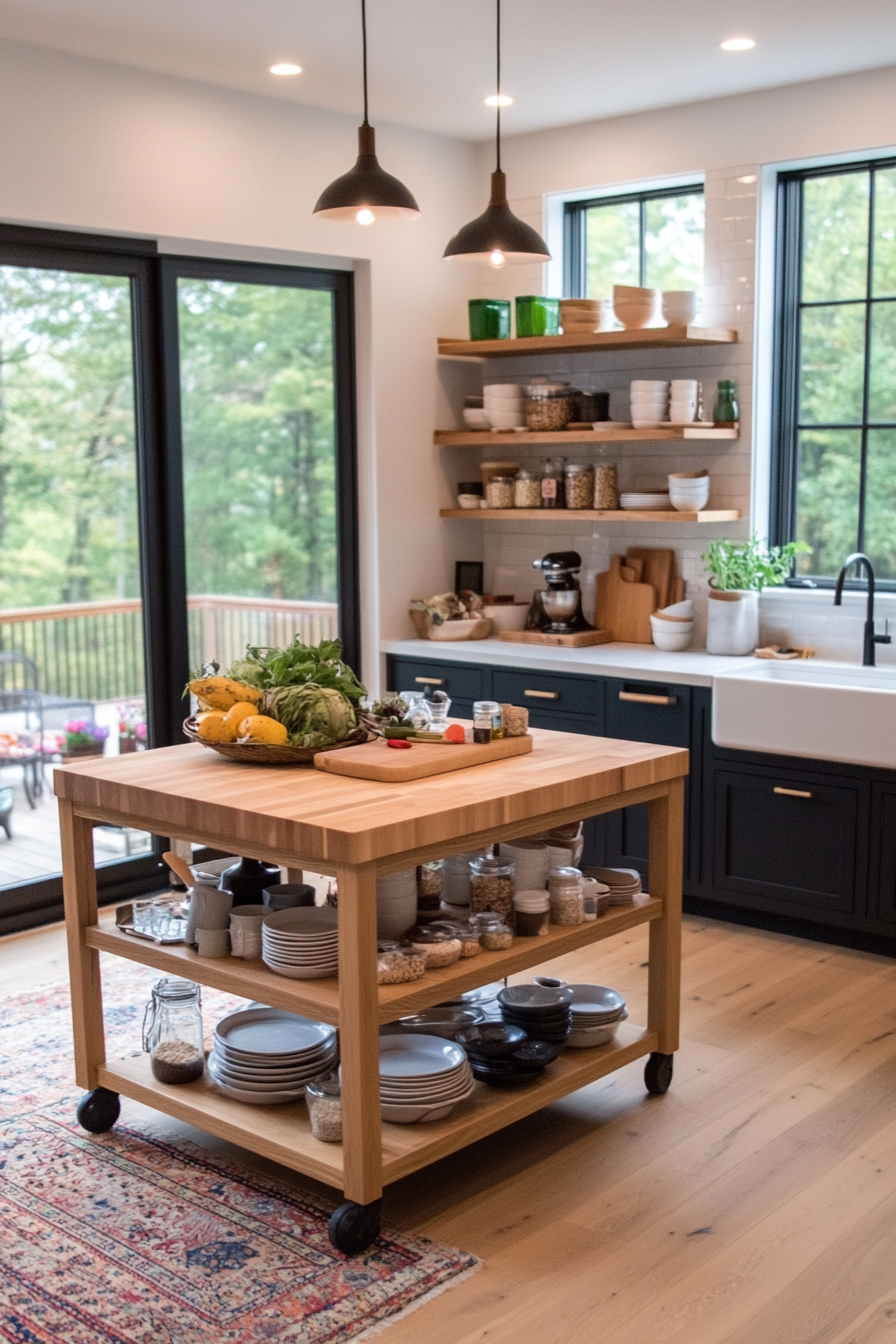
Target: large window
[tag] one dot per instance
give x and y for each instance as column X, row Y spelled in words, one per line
column 652, row 238
column 177, row 479
column 834, row 477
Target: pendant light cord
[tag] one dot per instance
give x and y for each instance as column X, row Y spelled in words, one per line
column 364, row 48
column 498, row 87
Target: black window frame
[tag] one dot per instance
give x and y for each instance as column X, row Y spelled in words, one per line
column 153, row 277
column 575, row 234
column 788, row 305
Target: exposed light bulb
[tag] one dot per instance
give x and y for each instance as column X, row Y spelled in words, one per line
column 365, row 216
column 737, row 44
column 497, row 259
column 498, row 100
column 285, row 68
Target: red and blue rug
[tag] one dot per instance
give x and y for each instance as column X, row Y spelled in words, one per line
column 133, row 1237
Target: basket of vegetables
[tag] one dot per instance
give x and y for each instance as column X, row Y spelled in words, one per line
column 279, row 706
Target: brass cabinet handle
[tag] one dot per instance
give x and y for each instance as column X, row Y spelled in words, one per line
column 643, row 699
column 543, row 695
column 793, row 793
column 428, row 681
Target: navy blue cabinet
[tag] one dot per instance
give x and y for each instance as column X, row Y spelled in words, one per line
column 883, row 852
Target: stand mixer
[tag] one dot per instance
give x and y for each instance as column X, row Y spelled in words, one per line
column 562, row 597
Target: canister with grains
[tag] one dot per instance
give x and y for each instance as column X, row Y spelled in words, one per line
column 606, row 486
column 527, row 489
column 491, row 886
column 494, row 934
column 565, row 887
column 579, row 485
column 499, row 492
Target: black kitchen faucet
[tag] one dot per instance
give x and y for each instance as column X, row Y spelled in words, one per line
column 859, row 558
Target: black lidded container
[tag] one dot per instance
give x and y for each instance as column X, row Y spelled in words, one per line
column 248, row 879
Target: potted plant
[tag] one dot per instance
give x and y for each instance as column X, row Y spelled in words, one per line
column 82, row 739
column 739, row 570
column 131, row 728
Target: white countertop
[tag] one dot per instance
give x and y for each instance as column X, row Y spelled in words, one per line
column 640, row 662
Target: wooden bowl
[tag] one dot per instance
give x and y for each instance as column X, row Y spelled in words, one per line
column 269, row 753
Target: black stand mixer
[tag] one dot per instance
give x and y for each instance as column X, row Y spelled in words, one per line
column 561, row 600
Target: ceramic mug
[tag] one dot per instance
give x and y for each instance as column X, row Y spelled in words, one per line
column 209, row 909
column 213, row 942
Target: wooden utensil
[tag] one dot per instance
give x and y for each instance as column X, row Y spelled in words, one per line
column 623, row 605
column 658, row 569
column 179, row 868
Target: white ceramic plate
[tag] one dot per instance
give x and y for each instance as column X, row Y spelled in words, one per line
column 274, row 1083
column 272, row 1031
column 259, row 1067
column 305, row 919
column 413, row 1115
column 418, row 1056
column 303, row 972
column 257, row 1098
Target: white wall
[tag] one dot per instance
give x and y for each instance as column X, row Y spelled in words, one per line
column 95, row 146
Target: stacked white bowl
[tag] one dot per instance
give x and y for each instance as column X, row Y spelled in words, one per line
column 649, row 401
column 683, row 401
column 503, row 405
column 581, row 316
column 421, row 1078
column 635, row 306
column 597, row 1011
column 689, row 490
column 680, row 306
column 396, row 902
column 673, row 627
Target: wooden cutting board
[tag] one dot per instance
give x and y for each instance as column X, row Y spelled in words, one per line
column 579, row 639
column 658, row 570
column 624, row 607
column 386, row 765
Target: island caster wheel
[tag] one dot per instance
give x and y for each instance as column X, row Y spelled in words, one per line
column 354, row 1226
column 98, row 1110
column 658, row 1074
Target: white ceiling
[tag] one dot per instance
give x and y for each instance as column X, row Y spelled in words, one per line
column 431, row 62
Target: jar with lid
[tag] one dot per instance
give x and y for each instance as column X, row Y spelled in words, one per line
column 726, row 412
column 606, row 485
column 565, row 888
column 323, row 1097
column 579, row 485
column 396, row 964
column 553, row 495
column 429, row 885
column 499, row 492
column 456, row 878
column 467, row 933
column 172, row 1031
column 548, row 405
column 494, row 934
column 527, row 489
column 436, row 944
column 491, row 886
column 488, row 721
column 532, row 912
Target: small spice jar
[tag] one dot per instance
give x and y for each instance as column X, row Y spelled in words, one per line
column 494, row 934
column 436, row 944
column 579, row 482
column 606, row 485
column 397, row 965
column 527, row 489
column 565, row 888
column 488, row 721
column 553, row 495
column 323, row 1097
column 548, row 405
column 532, row 913
column 499, row 492
column 429, row 885
column 491, row 886
column 515, row 719
column 172, row 1031
column 467, row 932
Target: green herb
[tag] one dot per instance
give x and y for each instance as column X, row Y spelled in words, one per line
column 749, row 565
column 299, row 665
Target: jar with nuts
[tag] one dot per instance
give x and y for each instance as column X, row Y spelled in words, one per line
column 565, row 888
column 499, row 492
column 491, row 887
column 606, row 486
column 579, row 485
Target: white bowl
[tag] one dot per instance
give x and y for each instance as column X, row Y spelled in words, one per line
column 684, row 608
column 474, row 418
column 684, row 386
column 507, row 615
column 680, row 306
column 505, row 419
column 672, row 643
column 450, row 630
column 498, row 390
column 469, row 501
column 689, row 487
column 652, row 423
column 645, row 409
column 629, row 292
column 689, row 501
column 660, row 619
column 688, row 477
column 651, row 385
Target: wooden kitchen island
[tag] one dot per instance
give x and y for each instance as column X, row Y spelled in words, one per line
column 354, row 830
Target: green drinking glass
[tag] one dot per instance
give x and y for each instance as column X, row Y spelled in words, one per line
column 489, row 319
column 537, row 316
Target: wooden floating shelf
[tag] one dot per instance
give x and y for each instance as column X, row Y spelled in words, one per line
column 459, row 438
column 649, row 338
column 593, row 515
column 283, row 1133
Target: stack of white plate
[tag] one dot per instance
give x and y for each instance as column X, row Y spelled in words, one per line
column 624, row 883
column 265, row 1056
column 301, row 944
column 422, row 1078
column 644, row 499
column 597, row 1011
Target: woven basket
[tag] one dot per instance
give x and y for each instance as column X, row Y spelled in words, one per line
column 268, row 753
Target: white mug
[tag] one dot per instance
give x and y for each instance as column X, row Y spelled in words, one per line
column 213, row 942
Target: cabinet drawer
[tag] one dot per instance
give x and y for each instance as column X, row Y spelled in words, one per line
column 549, row 693
column 457, row 680
column 787, row 838
column 644, row 711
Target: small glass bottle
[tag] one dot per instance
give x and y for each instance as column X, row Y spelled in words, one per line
column 172, row 1031
column 726, row 412
column 488, row 721
column 552, row 493
column 438, row 704
column 565, row 887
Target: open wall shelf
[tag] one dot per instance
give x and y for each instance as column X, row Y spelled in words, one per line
column 543, row 516
column 649, row 338
column 454, row 438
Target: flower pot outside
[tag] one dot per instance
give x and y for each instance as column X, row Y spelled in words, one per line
column 732, row 627
column 78, row 753
column 128, row 744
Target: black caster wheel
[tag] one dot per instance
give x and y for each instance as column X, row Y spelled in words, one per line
column 354, row 1226
column 98, row 1110
column 658, row 1074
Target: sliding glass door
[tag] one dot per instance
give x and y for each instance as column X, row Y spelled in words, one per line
column 177, row 480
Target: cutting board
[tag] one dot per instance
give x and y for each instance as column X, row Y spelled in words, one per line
column 658, row 570
column 386, row 765
column 579, row 639
column 624, row 606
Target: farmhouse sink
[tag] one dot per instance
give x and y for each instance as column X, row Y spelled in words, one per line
column 829, row 712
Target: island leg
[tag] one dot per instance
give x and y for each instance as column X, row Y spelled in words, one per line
column 666, row 819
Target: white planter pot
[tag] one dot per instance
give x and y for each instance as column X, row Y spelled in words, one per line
column 732, row 623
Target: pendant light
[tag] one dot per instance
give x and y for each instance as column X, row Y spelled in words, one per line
column 497, row 235
column 366, row 193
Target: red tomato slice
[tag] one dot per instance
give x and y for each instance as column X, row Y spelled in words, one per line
column 398, row 743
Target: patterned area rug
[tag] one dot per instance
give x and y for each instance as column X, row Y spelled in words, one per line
column 133, row 1237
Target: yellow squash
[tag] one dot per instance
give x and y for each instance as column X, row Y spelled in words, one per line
column 223, row 692
column 235, row 715
column 213, row 727
column 260, row 728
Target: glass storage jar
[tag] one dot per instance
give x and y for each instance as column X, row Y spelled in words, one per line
column 565, row 888
column 494, row 934
column 172, row 1031
column 606, row 485
column 491, row 886
column 436, row 944
column 323, row 1097
column 552, row 493
column 579, row 485
column 456, row 877
column 429, row 885
column 548, row 405
column 527, row 490
column 537, row 316
column 488, row 721
column 532, row 913
column 489, row 319
column 499, row 492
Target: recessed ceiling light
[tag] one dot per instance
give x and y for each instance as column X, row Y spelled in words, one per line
column 285, row 68
column 748, row 179
column 737, row 44
column 498, row 100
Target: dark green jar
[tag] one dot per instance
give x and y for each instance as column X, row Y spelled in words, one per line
column 726, row 412
column 537, row 316
column 489, row 319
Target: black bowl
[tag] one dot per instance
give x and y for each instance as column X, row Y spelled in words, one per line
column 532, row 1024
column 491, row 1039
column 535, row 999
column 510, row 1078
column 536, row 1052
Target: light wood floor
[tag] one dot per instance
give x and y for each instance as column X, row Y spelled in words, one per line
column 754, row 1204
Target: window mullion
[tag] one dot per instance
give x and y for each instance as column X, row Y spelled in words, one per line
column 866, row 372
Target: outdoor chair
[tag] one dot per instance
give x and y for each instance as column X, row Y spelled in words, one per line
column 7, row 798
column 20, row 695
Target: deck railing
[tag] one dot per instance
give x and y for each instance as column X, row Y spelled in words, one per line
column 94, row 650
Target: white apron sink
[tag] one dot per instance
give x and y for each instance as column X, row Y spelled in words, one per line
column 828, row 712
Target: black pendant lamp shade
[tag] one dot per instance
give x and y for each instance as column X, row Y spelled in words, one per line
column 497, row 236
column 366, row 192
